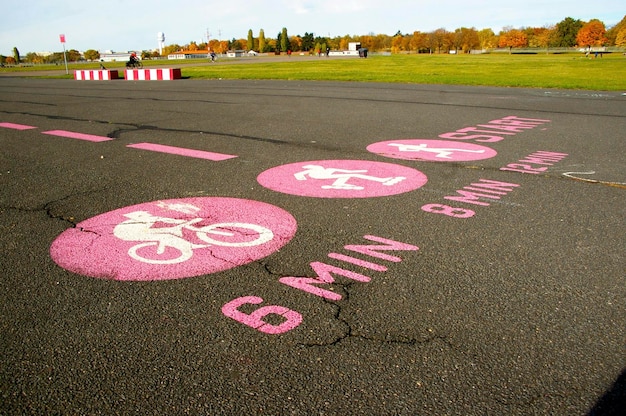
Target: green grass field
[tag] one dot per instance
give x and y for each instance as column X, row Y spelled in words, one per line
column 568, row 71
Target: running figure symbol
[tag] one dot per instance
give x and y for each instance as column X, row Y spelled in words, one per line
column 154, row 241
column 443, row 152
column 342, row 176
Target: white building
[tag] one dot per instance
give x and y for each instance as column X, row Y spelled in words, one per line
column 353, row 50
column 110, row 56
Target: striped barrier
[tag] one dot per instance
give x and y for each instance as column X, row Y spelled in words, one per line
column 95, row 75
column 152, row 74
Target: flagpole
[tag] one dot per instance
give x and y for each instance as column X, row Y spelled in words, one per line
column 67, row 71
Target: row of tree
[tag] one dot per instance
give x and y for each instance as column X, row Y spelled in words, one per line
column 565, row 34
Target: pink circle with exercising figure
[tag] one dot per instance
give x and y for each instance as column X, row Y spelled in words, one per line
column 432, row 150
column 342, row 179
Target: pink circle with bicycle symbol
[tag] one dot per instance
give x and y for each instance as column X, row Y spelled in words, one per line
column 432, row 150
column 173, row 239
column 342, row 179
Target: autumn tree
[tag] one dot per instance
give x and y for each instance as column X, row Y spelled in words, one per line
column 533, row 35
column 402, row 43
column 296, row 43
column 432, row 42
column 146, row 54
column 382, row 42
column 466, row 39
column 367, row 41
column 54, row 58
column 397, row 44
column 512, row 38
column 620, row 39
column 612, row 33
column 487, row 39
column 418, row 41
column 592, row 34
column 333, row 43
column 438, row 40
column 74, row 56
column 92, row 55
column 544, row 37
column 34, row 58
column 169, row 49
column 221, row 46
column 344, row 43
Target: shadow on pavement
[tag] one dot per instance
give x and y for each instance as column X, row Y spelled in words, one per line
column 613, row 403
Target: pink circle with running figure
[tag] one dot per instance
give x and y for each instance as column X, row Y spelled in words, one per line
column 342, row 179
column 432, row 150
column 173, row 239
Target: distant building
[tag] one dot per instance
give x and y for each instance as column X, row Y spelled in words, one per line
column 110, row 56
column 236, row 54
column 199, row 54
column 353, row 50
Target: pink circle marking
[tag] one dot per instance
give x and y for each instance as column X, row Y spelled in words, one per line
column 173, row 239
column 432, row 150
column 342, row 179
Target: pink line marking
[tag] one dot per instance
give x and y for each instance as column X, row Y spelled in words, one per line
column 80, row 136
column 16, row 126
column 181, row 151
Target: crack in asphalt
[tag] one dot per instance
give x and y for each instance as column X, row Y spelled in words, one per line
column 349, row 332
column 117, row 134
column 131, row 128
column 48, row 208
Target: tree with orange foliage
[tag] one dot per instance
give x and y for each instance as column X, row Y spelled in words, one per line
column 418, row 41
column 620, row 40
column 512, row 38
column 592, row 34
column 398, row 44
column 545, row 36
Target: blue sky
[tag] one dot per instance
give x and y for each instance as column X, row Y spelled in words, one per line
column 120, row 25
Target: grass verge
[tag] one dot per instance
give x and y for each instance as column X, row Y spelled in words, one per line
column 566, row 71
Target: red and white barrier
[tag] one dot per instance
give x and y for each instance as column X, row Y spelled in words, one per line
column 95, row 75
column 152, row 74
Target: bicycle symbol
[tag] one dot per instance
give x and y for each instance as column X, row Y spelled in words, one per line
column 169, row 245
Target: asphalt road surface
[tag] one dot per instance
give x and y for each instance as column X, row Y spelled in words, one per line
column 260, row 247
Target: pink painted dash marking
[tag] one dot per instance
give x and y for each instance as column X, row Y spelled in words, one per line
column 16, row 126
column 181, row 151
column 74, row 135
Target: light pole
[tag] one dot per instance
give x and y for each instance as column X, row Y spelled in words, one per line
column 161, row 39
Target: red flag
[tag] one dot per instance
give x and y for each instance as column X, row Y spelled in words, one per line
column 62, row 37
